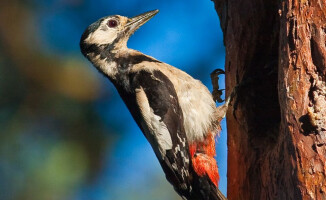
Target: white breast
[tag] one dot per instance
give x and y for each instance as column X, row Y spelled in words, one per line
column 197, row 105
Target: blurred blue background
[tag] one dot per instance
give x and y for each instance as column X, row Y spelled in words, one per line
column 65, row 134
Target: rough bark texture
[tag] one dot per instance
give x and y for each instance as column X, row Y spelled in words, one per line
column 276, row 50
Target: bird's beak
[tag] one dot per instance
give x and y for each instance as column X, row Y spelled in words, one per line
column 137, row 21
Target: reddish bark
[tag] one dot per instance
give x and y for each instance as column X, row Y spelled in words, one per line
column 277, row 133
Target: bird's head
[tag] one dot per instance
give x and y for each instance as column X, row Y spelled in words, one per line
column 111, row 33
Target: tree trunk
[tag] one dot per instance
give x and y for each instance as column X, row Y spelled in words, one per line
column 276, row 52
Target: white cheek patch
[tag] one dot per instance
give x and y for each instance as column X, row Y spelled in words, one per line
column 102, row 36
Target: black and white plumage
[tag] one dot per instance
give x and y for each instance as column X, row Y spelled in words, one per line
column 172, row 109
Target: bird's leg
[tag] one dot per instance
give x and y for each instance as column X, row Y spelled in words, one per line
column 217, row 92
column 221, row 110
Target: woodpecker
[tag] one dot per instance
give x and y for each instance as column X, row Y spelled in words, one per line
column 175, row 112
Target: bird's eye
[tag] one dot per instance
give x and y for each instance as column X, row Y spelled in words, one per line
column 112, row 23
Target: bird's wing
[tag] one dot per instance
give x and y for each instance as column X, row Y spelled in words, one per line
column 163, row 125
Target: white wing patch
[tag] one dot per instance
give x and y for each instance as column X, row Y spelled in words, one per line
column 155, row 129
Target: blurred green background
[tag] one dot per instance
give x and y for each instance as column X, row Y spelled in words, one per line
column 64, row 132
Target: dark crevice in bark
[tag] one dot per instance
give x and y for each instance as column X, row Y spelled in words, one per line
column 258, row 97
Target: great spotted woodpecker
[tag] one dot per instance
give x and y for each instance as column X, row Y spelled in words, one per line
column 176, row 113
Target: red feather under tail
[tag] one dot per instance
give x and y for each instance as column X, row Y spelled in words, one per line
column 202, row 156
